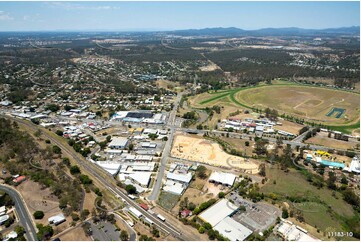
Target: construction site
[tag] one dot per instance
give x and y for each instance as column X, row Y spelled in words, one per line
column 196, row 149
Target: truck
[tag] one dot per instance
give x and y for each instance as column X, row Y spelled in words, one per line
column 161, row 217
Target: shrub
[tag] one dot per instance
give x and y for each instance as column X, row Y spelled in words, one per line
column 38, row 214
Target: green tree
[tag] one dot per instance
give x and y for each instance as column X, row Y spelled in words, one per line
column 109, row 138
column 211, row 234
column 260, row 147
column 75, row 217
column 201, row 230
column 59, row 132
column 84, row 214
column 84, row 179
column 262, row 169
column 130, row 189
column 221, row 195
column 56, row 149
column 331, row 180
column 52, row 107
column 124, row 235
column 74, row 170
column 38, row 214
column 19, row 230
column 66, row 161
column 44, row 232
column 284, row 213
column 201, row 172
column 155, row 232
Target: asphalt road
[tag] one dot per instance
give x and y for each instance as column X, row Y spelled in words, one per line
column 24, row 216
column 166, row 151
column 103, row 178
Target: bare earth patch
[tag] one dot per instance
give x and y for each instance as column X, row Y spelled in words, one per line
column 204, row 151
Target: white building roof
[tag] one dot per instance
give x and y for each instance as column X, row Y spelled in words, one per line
column 232, row 230
column 180, row 177
column 120, row 114
column 223, row 178
column 4, row 218
column 292, row 232
column 118, row 142
column 135, row 211
column 150, row 131
column 173, row 187
column 56, row 219
column 111, row 151
column 110, row 166
column 144, row 158
column 11, row 235
column 218, row 212
column 355, row 165
column 142, row 178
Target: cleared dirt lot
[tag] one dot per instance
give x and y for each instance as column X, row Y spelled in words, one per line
column 76, row 234
column 204, row 151
column 37, row 198
column 322, row 139
column 288, row 126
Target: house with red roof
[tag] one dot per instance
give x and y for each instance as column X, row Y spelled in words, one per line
column 185, row 213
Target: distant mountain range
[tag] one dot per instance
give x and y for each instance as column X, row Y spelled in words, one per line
column 232, row 31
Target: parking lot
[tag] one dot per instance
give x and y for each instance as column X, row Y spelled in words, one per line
column 104, row 231
column 258, row 216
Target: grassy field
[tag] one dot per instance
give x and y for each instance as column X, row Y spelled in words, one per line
column 322, row 209
column 167, row 200
column 308, row 102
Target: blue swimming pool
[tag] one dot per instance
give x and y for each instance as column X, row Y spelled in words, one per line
column 331, row 163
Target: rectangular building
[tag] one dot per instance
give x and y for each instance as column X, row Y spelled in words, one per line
column 118, row 143
column 218, row 212
column 223, row 178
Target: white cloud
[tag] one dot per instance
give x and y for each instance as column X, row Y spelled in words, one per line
column 32, row 18
column 5, row 16
column 76, row 6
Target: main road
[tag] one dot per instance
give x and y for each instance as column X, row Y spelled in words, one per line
column 166, row 151
column 104, row 178
column 24, row 216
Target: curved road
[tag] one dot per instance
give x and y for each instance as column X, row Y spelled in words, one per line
column 22, row 212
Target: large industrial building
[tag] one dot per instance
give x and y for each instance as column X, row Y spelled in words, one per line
column 141, row 116
column 218, row 216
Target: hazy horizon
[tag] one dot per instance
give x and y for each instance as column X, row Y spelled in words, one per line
column 164, row 16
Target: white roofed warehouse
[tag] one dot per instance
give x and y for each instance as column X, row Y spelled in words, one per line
column 118, row 143
column 216, row 213
column 219, row 216
column 223, row 178
column 232, row 229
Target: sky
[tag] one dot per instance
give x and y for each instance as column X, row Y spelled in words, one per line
column 130, row 16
